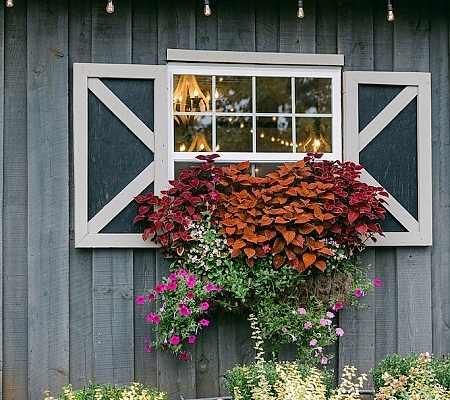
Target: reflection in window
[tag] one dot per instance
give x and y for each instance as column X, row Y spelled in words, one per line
column 274, row 135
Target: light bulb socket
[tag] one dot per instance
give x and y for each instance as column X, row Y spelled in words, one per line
column 109, row 7
column 206, row 8
column 390, row 12
column 300, row 10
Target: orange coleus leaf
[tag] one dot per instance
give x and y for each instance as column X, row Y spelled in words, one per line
column 320, row 264
column 306, row 229
column 230, row 230
column 260, row 253
column 308, row 259
column 239, row 244
column 270, row 234
column 299, row 240
column 236, row 253
column 243, row 165
column 289, row 236
column 265, row 220
column 325, row 250
column 278, row 260
column 278, row 246
column 280, row 220
column 291, row 191
column 303, row 218
column 249, row 252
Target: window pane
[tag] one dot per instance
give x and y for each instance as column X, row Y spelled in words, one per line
column 313, row 95
column 314, row 134
column 233, row 94
column 191, row 93
column 274, row 135
column 192, row 133
column 273, row 94
column 234, row 134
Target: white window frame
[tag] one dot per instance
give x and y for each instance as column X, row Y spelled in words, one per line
column 257, row 64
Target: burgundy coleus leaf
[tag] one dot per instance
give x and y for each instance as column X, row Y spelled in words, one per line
column 353, row 216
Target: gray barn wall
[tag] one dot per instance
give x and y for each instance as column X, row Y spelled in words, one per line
column 68, row 315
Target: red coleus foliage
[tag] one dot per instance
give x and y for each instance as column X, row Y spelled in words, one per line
column 288, row 214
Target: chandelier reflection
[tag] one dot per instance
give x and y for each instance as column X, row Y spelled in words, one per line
column 316, row 141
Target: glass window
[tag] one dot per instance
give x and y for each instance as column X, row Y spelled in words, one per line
column 263, row 114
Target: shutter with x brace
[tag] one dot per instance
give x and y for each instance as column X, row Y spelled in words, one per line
column 387, row 129
column 119, row 149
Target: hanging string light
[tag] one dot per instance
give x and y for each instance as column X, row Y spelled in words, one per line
column 390, row 12
column 9, row 3
column 109, row 7
column 300, row 11
column 206, row 8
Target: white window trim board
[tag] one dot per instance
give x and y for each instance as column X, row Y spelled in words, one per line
column 417, row 84
column 87, row 78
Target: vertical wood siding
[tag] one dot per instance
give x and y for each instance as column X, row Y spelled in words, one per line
column 68, row 315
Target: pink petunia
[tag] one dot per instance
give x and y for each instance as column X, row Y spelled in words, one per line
column 171, row 286
column 203, row 322
column 301, row 311
column 173, row 276
column 325, row 322
column 284, row 329
column 190, row 282
column 174, row 340
column 190, row 295
column 308, row 325
column 148, row 348
column 313, row 342
column 324, row 361
column 209, row 286
column 218, row 288
column 184, row 310
column 204, row 306
column 150, row 317
column 330, row 314
column 192, row 339
column 156, row 319
column 185, row 356
column 146, row 339
column 337, row 306
column 182, row 272
column 377, row 282
column 140, row 300
column 339, row 332
column 358, row 293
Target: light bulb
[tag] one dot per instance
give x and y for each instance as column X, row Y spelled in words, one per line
column 300, row 11
column 390, row 12
column 10, row 3
column 109, row 7
column 207, row 8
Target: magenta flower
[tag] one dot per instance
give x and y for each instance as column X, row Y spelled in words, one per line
column 140, row 300
column 151, row 296
column 150, row 317
column 160, row 288
column 146, row 339
column 156, row 319
column 266, row 248
column 307, row 325
column 173, row 276
column 182, row 272
column 337, row 306
column 324, row 361
column 190, row 295
column 190, row 282
column 218, row 288
column 174, row 340
column 185, row 356
column 192, row 339
column 204, row 306
column 330, row 314
column 184, row 310
column 148, row 348
column 284, row 329
column 203, row 322
column 172, row 286
column 301, row 311
column 209, row 286
column 339, row 332
column 358, row 293
column 313, row 342
column 377, row 282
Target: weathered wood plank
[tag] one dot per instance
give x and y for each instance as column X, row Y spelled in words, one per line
column 297, row 35
column 439, row 67
column 144, row 32
column 355, row 34
column 81, row 340
column 236, row 28
column 112, row 285
column 48, row 196
column 206, row 30
column 411, row 49
column 144, row 280
column 13, row 212
column 267, row 26
column 326, row 27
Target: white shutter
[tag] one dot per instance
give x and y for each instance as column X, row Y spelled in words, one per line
column 387, row 123
column 88, row 81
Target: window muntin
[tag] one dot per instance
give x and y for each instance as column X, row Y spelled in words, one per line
column 262, row 114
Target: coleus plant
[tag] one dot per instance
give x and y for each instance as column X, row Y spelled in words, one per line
column 287, row 215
